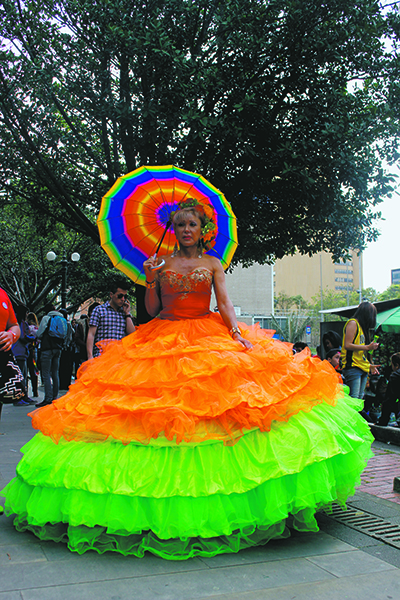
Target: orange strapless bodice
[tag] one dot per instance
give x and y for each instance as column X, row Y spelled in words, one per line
column 185, row 296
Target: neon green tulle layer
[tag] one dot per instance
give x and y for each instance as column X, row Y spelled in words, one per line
column 188, row 500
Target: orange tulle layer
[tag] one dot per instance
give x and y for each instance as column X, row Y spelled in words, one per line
column 188, row 381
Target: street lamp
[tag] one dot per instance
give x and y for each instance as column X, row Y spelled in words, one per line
column 51, row 256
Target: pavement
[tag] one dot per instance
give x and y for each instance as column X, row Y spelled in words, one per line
column 342, row 561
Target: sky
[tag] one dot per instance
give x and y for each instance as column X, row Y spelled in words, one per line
column 384, row 254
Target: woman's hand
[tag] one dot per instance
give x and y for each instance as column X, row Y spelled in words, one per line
column 238, row 338
column 372, row 346
column 6, row 340
column 147, row 266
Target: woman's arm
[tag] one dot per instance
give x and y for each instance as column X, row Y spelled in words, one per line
column 10, row 336
column 225, row 305
column 351, row 330
column 152, row 299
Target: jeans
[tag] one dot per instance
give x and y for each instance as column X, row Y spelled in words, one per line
column 50, row 360
column 356, row 379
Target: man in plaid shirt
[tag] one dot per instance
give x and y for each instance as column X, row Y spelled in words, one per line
column 110, row 321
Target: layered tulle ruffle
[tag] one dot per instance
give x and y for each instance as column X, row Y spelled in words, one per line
column 188, row 500
column 179, row 442
column 189, row 381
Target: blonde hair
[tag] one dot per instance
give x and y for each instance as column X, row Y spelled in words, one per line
column 32, row 319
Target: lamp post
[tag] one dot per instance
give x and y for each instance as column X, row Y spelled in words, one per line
column 51, row 256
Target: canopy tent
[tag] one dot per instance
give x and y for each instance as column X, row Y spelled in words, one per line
column 389, row 320
column 384, row 306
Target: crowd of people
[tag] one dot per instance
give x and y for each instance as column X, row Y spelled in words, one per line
column 54, row 361
column 351, row 355
column 50, row 353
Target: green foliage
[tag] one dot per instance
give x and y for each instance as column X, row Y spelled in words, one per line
column 289, row 107
column 293, row 328
column 30, row 279
column 289, row 303
column 332, row 299
column 390, row 293
column 389, row 343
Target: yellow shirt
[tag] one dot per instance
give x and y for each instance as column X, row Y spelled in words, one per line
column 355, row 358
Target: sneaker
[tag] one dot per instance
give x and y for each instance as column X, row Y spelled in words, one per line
column 43, row 403
column 21, row 403
column 29, row 400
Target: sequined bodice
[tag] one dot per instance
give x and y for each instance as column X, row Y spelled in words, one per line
column 185, row 296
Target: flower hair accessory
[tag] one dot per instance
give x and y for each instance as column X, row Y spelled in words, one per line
column 207, row 216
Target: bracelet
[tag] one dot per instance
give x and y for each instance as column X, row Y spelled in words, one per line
column 129, row 316
column 235, row 330
column 151, row 284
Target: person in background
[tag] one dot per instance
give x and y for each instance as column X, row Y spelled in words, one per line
column 110, row 321
column 75, row 349
column 50, row 350
column 357, row 349
column 66, row 358
column 333, row 357
column 32, row 348
column 330, row 340
column 82, row 332
column 81, row 337
column 9, row 331
column 299, row 347
column 391, row 402
column 21, row 352
column 9, row 328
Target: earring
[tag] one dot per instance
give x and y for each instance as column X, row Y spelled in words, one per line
column 175, row 250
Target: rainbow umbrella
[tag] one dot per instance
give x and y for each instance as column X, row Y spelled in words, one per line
column 134, row 216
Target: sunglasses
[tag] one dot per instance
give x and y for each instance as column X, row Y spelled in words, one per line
column 119, row 296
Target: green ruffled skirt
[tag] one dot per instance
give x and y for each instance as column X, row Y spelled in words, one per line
column 191, row 499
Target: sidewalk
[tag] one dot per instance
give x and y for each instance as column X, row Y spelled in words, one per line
column 336, row 563
column 377, row 479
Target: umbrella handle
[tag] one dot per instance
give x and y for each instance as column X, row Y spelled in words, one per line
column 162, row 263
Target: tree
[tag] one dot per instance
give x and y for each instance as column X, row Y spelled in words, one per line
column 293, row 328
column 393, row 291
column 289, row 107
column 289, row 303
column 30, row 279
column 332, row 299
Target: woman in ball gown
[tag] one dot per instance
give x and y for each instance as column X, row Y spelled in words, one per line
column 195, row 435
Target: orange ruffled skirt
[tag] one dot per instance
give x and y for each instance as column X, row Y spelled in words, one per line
column 178, row 441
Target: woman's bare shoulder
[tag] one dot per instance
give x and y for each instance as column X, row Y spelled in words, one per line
column 212, row 263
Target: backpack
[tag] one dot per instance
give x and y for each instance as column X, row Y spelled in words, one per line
column 57, row 327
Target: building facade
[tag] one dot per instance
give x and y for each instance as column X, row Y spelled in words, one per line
column 307, row 275
column 252, row 289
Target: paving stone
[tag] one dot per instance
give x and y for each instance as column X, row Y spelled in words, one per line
column 196, row 584
column 295, row 547
column 377, row 586
column 350, row 564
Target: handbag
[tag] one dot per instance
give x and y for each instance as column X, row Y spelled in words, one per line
column 12, row 383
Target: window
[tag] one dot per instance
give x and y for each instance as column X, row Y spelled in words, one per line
column 348, row 279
